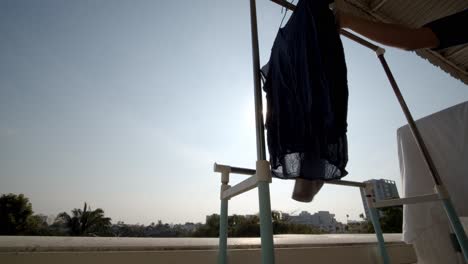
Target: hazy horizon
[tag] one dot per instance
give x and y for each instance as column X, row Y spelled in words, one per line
column 52, row 216
column 126, row 105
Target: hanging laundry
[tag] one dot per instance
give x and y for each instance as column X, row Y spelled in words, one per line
column 307, row 97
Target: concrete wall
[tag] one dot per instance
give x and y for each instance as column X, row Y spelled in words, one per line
column 329, row 255
column 297, row 249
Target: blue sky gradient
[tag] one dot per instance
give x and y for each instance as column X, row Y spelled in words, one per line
column 127, row 104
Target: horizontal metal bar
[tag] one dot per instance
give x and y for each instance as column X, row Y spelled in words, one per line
column 345, row 33
column 242, row 171
column 284, row 3
column 244, row 186
column 347, row 183
column 359, row 40
column 221, row 168
column 408, row 200
column 226, row 168
column 236, row 170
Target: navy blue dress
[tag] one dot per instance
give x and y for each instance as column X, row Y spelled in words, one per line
column 307, row 97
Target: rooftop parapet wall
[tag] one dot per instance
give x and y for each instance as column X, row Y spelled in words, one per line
column 330, row 249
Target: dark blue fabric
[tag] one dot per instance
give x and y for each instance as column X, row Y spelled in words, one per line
column 307, row 96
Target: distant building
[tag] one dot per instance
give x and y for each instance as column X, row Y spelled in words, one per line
column 189, row 227
column 383, row 190
column 322, row 220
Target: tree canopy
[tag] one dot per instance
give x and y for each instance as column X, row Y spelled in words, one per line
column 249, row 226
column 86, row 221
column 17, row 218
column 15, row 210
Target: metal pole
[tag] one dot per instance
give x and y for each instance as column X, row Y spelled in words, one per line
column 374, row 215
column 223, row 232
column 223, row 215
column 375, row 219
column 359, row 40
column 457, row 227
column 257, row 88
column 415, row 131
column 266, row 227
column 450, row 210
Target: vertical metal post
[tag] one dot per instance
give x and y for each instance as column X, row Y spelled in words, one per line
column 259, row 127
column 374, row 215
column 375, row 219
column 223, row 217
column 223, row 230
column 450, row 210
column 266, row 227
column 457, row 227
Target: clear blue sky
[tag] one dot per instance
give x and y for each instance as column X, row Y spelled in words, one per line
column 127, row 104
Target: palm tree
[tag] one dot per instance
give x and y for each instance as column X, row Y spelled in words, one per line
column 85, row 222
column 361, row 215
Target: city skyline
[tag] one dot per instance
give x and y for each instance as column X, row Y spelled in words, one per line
column 51, row 218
